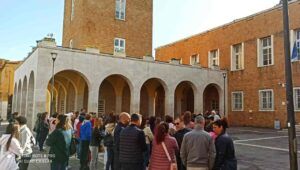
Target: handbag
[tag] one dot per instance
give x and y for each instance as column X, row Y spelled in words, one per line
column 173, row 165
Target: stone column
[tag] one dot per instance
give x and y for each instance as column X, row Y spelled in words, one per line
column 169, row 102
column 93, row 98
column 135, row 100
column 198, row 101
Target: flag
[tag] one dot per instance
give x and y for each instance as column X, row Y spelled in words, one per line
column 295, row 55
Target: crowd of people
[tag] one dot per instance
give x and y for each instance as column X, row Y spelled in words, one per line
column 130, row 142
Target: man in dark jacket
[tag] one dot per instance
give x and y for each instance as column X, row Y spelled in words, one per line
column 132, row 145
column 124, row 119
column 181, row 130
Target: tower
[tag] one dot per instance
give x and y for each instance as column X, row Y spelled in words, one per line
column 117, row 27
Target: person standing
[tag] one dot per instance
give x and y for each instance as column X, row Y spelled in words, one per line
column 225, row 158
column 108, row 141
column 26, row 141
column 181, row 130
column 59, row 141
column 132, row 145
column 149, row 139
column 95, row 142
column 43, row 130
column 124, row 119
column 197, row 148
column 85, row 138
column 10, row 147
column 163, row 147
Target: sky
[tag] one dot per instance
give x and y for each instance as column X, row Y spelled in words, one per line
column 22, row 22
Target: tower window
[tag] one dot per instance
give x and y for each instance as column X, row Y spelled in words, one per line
column 120, row 9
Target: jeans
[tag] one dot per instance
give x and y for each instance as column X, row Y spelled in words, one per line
column 24, row 162
column 132, row 166
column 94, row 157
column 84, row 154
column 146, row 155
column 110, row 158
column 78, row 147
column 58, row 166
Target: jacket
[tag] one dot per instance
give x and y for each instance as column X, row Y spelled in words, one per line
column 225, row 158
column 132, row 145
column 26, row 140
column 116, row 135
column 197, row 149
column 7, row 157
column 86, row 131
column 59, row 141
column 97, row 136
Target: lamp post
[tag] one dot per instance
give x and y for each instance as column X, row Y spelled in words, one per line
column 53, row 56
column 224, row 77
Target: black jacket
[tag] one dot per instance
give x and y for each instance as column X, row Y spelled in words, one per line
column 97, row 136
column 132, row 144
column 225, row 157
column 179, row 138
column 117, row 132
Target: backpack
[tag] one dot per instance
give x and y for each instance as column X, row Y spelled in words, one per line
column 108, row 140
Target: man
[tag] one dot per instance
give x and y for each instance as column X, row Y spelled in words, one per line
column 26, row 140
column 85, row 138
column 215, row 115
column 197, row 148
column 124, row 119
column 132, row 145
column 181, row 130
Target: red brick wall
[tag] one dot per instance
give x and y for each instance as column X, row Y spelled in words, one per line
column 252, row 78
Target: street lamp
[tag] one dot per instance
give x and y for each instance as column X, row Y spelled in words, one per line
column 53, row 56
column 224, row 77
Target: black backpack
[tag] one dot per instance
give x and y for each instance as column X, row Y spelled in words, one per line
column 108, row 140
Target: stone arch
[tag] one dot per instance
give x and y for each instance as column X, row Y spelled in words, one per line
column 184, row 97
column 19, row 97
column 15, row 98
column 114, row 94
column 24, row 97
column 212, row 97
column 30, row 97
column 152, row 97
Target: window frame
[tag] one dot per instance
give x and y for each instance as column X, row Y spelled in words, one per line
column 120, row 7
column 260, row 100
column 233, row 55
column 210, row 60
column 233, row 108
column 260, row 48
column 118, row 47
column 295, row 99
column 196, row 56
column 72, row 10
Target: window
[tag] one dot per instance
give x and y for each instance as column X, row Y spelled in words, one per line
column 266, row 100
column 214, row 105
column 237, row 101
column 213, row 58
column 119, row 45
column 237, row 57
column 72, row 9
column 71, row 43
column 297, row 98
column 120, row 9
column 296, row 42
column 265, row 51
column 194, row 59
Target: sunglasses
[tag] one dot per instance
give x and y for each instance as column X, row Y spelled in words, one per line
column 177, row 123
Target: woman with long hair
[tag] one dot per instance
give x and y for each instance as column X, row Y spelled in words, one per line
column 10, row 147
column 59, row 141
column 95, row 142
column 225, row 157
column 163, row 147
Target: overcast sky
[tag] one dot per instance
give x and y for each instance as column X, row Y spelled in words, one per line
column 22, row 22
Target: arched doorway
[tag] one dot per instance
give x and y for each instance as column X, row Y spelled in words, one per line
column 114, row 95
column 184, row 98
column 211, row 98
column 24, row 95
column 152, row 98
column 70, row 92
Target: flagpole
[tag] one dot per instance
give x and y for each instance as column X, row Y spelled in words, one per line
column 289, row 90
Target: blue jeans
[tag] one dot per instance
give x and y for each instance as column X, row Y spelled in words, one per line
column 146, row 155
column 78, row 147
column 58, row 166
column 110, row 158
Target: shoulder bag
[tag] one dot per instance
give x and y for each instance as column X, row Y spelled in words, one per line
column 173, row 165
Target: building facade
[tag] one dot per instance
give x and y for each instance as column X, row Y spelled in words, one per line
column 117, row 27
column 251, row 49
column 7, row 69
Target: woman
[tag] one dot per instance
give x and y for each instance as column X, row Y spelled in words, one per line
column 159, row 159
column 225, row 154
column 148, row 138
column 59, row 141
column 95, row 142
column 10, row 148
column 108, row 141
column 43, row 129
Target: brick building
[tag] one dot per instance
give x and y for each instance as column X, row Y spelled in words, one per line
column 120, row 27
column 251, row 50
